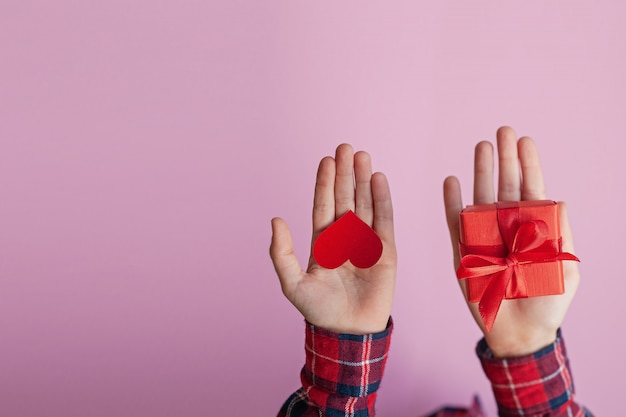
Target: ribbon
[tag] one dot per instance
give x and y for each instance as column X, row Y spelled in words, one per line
column 524, row 243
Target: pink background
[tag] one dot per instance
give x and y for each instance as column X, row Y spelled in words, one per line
column 147, row 144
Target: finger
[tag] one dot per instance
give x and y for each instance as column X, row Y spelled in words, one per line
column 483, row 173
column 453, row 205
column 509, row 176
column 383, row 209
column 363, row 177
column 344, row 179
column 284, row 259
column 571, row 274
column 324, row 199
column 566, row 231
column 533, row 187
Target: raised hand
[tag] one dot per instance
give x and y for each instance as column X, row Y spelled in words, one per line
column 524, row 325
column 346, row 299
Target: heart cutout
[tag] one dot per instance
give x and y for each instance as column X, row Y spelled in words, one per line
column 348, row 239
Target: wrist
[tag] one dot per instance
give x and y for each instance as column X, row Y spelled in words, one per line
column 522, row 344
column 356, row 329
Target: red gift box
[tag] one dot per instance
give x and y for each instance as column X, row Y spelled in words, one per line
column 510, row 250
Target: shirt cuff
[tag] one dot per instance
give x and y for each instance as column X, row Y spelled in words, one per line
column 344, row 370
column 534, row 384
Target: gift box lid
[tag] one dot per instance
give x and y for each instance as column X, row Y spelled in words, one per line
column 478, row 221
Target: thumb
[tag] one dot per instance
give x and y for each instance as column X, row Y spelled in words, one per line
column 566, row 232
column 284, row 259
column 571, row 273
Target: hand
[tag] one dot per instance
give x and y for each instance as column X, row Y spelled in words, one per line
column 346, row 299
column 522, row 326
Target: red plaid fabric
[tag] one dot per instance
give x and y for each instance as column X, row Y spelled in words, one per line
column 534, row 385
column 343, row 372
column 341, row 375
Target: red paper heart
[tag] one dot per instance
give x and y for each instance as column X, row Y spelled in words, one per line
column 348, row 239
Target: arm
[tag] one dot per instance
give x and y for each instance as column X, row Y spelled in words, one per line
column 524, row 328
column 346, row 306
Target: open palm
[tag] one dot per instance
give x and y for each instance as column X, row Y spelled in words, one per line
column 346, row 299
column 522, row 325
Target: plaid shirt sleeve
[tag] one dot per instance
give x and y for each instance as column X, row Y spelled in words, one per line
column 341, row 374
column 539, row 384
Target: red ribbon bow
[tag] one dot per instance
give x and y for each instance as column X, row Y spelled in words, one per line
column 526, row 242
